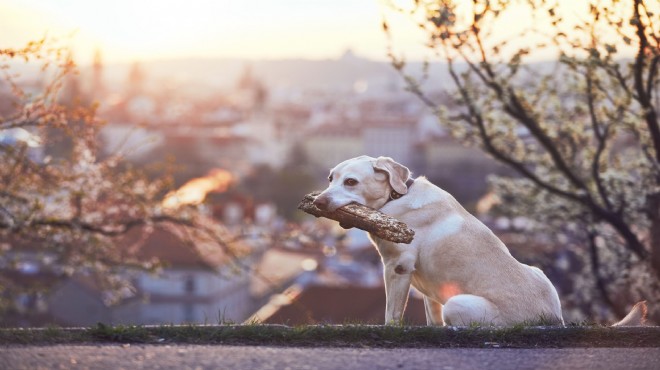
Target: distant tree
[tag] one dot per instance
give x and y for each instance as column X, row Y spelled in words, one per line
column 66, row 208
column 298, row 157
column 284, row 186
column 583, row 134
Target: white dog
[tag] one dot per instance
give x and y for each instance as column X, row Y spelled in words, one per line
column 465, row 272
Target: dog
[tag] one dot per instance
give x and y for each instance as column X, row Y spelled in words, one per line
column 464, row 271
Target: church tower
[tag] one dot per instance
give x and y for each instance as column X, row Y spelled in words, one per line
column 98, row 91
column 136, row 80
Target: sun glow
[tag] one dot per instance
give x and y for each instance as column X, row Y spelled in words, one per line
column 127, row 30
column 195, row 191
column 448, row 290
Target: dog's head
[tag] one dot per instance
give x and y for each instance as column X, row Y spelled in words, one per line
column 364, row 180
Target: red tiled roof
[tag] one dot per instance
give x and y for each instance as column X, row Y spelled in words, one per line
column 340, row 305
column 389, row 121
column 177, row 246
column 170, row 248
column 336, row 129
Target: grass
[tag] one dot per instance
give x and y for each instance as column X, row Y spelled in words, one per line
column 341, row 336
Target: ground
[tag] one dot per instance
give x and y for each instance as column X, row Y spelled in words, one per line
column 118, row 356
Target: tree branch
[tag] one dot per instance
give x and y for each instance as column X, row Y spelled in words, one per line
column 601, row 138
column 611, row 217
column 517, row 110
column 650, row 115
column 104, row 229
column 651, row 76
column 498, row 154
column 601, row 285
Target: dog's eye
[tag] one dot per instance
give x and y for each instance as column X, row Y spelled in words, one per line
column 350, row 182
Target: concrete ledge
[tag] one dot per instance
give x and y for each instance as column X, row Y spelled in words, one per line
column 343, row 336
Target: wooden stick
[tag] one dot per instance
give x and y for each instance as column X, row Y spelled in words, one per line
column 362, row 217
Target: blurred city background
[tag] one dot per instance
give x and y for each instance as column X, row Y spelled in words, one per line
column 242, row 137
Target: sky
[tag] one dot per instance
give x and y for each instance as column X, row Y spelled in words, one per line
column 130, row 30
column 143, row 30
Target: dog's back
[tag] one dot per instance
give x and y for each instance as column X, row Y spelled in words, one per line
column 455, row 249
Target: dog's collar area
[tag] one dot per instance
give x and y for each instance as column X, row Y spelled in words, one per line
column 394, row 195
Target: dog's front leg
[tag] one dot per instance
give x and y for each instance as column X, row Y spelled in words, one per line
column 397, row 285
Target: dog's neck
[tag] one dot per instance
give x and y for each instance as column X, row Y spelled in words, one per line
column 394, row 195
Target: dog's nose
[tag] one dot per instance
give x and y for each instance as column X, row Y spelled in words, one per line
column 321, row 203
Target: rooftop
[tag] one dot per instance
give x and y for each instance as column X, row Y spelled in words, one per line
column 339, row 305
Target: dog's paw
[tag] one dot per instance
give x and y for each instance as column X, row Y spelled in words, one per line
column 345, row 226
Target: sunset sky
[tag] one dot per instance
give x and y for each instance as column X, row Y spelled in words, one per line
column 142, row 30
column 127, row 30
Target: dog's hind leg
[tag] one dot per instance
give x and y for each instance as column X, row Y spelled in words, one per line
column 433, row 312
column 468, row 309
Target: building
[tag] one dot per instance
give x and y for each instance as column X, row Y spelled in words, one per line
column 198, row 283
column 390, row 137
column 329, row 145
column 443, row 157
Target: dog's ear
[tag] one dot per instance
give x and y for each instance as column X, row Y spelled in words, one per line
column 397, row 173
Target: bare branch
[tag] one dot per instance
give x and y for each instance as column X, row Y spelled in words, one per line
column 601, row 285
column 649, row 113
column 518, row 110
column 498, row 154
column 112, row 230
column 601, row 138
column 652, row 76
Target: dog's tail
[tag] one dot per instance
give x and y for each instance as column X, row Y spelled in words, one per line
column 636, row 316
